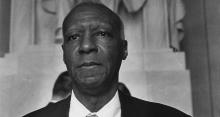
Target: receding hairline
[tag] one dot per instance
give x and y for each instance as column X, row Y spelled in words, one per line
column 115, row 19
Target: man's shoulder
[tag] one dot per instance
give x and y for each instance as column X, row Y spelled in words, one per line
column 131, row 107
column 160, row 109
column 141, row 107
column 41, row 112
column 59, row 109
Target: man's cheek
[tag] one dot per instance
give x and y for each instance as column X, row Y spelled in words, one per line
column 69, row 62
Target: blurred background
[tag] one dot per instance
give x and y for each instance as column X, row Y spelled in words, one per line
column 173, row 52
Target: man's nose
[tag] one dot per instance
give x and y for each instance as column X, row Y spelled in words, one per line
column 87, row 45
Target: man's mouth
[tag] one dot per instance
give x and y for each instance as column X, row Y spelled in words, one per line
column 89, row 64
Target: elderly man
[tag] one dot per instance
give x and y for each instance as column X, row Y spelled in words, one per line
column 94, row 47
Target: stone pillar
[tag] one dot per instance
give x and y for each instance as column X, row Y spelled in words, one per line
column 32, row 22
column 46, row 21
column 4, row 26
column 22, row 31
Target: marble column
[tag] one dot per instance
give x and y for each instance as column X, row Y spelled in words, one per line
column 45, row 20
column 4, row 26
column 22, row 31
column 32, row 22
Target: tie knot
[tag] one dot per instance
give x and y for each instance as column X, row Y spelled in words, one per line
column 91, row 115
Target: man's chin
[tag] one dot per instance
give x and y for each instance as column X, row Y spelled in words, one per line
column 91, row 82
column 92, row 87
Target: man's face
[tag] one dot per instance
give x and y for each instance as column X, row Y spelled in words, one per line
column 93, row 49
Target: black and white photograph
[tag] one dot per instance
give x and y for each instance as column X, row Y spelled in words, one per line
column 109, row 58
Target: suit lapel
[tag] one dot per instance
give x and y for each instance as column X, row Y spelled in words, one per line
column 61, row 109
column 126, row 107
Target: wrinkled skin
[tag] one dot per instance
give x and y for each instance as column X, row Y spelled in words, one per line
column 93, row 50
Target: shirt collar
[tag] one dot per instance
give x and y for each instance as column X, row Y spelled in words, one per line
column 111, row 109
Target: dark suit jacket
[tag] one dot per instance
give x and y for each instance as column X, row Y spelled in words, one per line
column 130, row 107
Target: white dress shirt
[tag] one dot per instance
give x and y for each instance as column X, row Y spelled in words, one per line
column 111, row 109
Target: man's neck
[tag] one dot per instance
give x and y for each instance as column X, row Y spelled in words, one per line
column 95, row 102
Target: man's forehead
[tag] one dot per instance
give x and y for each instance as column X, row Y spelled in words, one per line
column 88, row 19
column 83, row 12
column 90, row 13
column 81, row 25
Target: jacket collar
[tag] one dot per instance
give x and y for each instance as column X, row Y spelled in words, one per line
column 125, row 101
column 126, row 105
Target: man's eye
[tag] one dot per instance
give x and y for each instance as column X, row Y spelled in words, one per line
column 73, row 37
column 103, row 34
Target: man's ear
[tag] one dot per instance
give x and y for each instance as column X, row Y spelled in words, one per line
column 124, row 49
